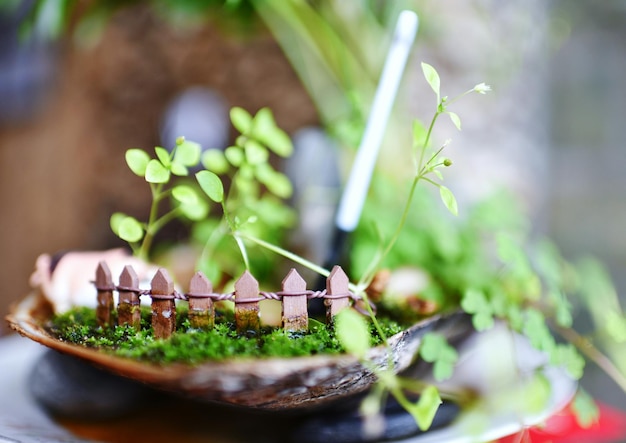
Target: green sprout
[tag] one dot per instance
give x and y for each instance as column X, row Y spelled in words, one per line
column 254, row 204
column 434, row 349
column 187, row 202
column 428, row 163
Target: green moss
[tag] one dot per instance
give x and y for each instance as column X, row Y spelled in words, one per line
column 192, row 346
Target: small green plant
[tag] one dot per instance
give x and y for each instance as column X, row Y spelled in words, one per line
column 158, row 172
column 254, row 205
column 350, row 330
column 428, row 163
column 246, row 209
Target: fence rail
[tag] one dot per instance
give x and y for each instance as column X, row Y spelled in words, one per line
column 246, row 297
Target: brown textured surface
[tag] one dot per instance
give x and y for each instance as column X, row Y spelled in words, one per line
column 265, row 384
column 62, row 173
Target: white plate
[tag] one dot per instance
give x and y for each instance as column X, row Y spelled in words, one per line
column 500, row 364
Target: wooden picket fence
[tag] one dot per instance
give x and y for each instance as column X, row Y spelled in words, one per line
column 201, row 298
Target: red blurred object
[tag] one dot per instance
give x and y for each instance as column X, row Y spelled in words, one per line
column 563, row 428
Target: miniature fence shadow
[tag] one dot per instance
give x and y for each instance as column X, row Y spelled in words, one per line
column 293, row 295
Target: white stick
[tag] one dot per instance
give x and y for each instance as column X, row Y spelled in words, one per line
column 353, row 197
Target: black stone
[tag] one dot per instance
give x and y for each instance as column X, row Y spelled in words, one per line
column 70, row 388
column 346, row 425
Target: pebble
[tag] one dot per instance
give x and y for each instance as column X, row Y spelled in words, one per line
column 70, row 388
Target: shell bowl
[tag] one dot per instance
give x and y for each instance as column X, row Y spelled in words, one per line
column 268, row 384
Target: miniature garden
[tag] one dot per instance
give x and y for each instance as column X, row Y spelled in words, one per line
column 411, row 258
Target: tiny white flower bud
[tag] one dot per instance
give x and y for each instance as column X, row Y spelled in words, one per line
column 482, row 88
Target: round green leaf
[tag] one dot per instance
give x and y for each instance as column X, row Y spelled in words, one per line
column 115, row 221
column 585, row 408
column 187, row 153
column 443, row 370
column 455, row 119
column 179, row 169
column 474, row 301
column 426, row 407
column 211, row 185
column 276, row 182
column 130, row 229
column 255, row 152
column 568, row 357
column 431, row 345
column 482, row 321
column 279, row 142
column 436, row 349
column 352, row 332
column 448, row 199
column 244, row 185
column 137, row 160
column 241, row 140
column 263, row 123
column 234, row 155
column 432, row 77
column 197, row 211
column 185, row 194
column 163, row 155
column 156, row 172
column 214, row 160
column 242, row 120
column 264, row 129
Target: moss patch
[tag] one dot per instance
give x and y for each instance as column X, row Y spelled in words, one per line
column 192, row 346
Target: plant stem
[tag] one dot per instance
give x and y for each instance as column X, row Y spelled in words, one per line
column 420, row 163
column 165, row 219
column 421, row 172
column 233, row 230
column 156, row 190
column 369, row 273
column 280, row 251
column 211, row 243
column 590, row 351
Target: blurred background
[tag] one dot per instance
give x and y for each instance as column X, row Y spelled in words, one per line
column 80, row 85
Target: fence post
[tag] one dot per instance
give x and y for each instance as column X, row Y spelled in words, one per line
column 247, row 313
column 128, row 306
column 163, row 304
column 201, row 310
column 295, row 315
column 337, row 284
column 104, row 286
